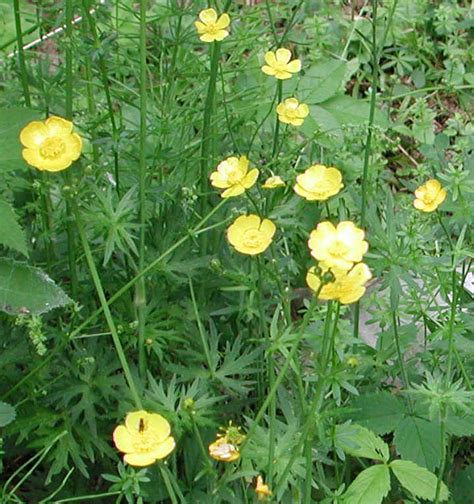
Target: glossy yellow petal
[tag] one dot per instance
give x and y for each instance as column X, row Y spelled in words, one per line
column 123, row 439
column 270, row 58
column 208, row 16
column 164, row 449
column 303, row 111
column 33, row 134
column 134, row 419
column 268, row 70
column 250, row 179
column 221, row 35
column 282, row 75
column 200, row 27
column 313, row 280
column 223, row 22
column 58, row 126
column 294, row 66
column 74, row 146
column 268, row 228
column 283, row 55
column 139, row 459
column 235, row 190
column 273, row 182
column 32, row 157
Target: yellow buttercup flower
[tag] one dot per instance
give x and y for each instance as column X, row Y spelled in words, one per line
column 262, row 489
column 347, row 286
column 232, row 175
column 251, row 235
column 50, row 145
column 429, row 196
column 353, row 361
column 318, row 183
column 273, row 182
column 210, row 27
column 291, row 111
column 145, row 438
column 339, row 247
column 278, row 64
column 223, row 451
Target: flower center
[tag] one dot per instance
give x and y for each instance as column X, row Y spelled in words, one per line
column 144, row 442
column 212, row 29
column 338, row 248
column 52, row 148
column 252, row 238
column 280, row 66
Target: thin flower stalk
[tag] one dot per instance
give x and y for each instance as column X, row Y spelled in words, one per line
column 105, row 308
column 71, row 241
column 21, row 53
column 140, row 294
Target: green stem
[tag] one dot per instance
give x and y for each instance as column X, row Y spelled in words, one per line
column 21, row 53
column 276, row 132
column 206, row 125
column 140, row 298
column 443, row 452
column 281, row 375
column 315, row 406
column 108, row 315
column 71, row 240
column 368, row 143
column 401, row 361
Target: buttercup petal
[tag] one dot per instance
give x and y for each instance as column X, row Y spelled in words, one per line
column 123, row 439
column 164, row 449
column 270, row 58
column 235, row 190
column 221, row 35
column 74, row 146
column 223, row 21
column 200, row 27
column 58, row 126
column 294, row 66
column 268, row 70
column 283, row 55
column 208, row 37
column 139, row 459
column 268, row 227
column 250, row 178
column 32, row 157
column 33, row 134
column 132, row 420
column 208, row 16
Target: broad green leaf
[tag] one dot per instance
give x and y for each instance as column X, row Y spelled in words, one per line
column 380, row 412
column 348, row 110
column 460, row 425
column 417, row 480
column 370, row 486
column 12, row 121
column 418, row 440
column 321, row 81
column 361, row 442
column 25, row 289
column 7, row 414
column 11, row 234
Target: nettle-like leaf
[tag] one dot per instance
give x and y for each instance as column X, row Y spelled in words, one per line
column 380, row 412
column 370, row 486
column 11, row 233
column 7, row 413
column 360, row 442
column 418, row 440
column 417, row 480
column 25, row 289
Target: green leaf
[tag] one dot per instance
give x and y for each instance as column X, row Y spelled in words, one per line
column 322, row 81
column 25, row 289
column 360, row 442
column 12, row 121
column 418, row 440
column 7, row 414
column 380, row 412
column 348, row 110
column 370, row 486
column 11, row 234
column 460, row 425
column 417, row 480
column 463, row 485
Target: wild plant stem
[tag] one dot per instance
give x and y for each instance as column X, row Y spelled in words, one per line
column 206, row 124
column 108, row 315
column 140, row 295
column 276, row 132
column 368, row 143
column 21, row 53
column 401, row 361
column 442, row 429
column 315, row 406
column 71, row 241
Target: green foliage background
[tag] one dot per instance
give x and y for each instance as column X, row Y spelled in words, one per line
column 212, row 325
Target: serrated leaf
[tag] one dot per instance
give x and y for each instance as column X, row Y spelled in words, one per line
column 7, row 413
column 460, row 425
column 360, row 442
column 322, row 80
column 380, row 412
column 12, row 121
column 370, row 486
column 25, row 289
column 418, row 440
column 11, row 233
column 417, row 480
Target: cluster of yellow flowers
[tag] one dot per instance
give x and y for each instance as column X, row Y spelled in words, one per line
column 340, row 274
